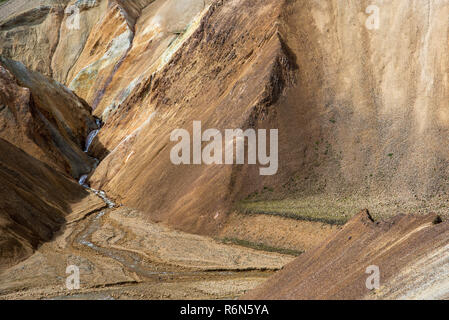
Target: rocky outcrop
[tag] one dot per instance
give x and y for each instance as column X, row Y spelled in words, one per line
column 102, row 54
column 409, row 251
column 34, row 200
column 29, row 32
column 79, row 19
column 159, row 32
column 44, row 118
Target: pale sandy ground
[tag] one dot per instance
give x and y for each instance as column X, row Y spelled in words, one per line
column 277, row 232
column 123, row 256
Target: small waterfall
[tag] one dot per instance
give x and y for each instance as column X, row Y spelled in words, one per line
column 82, row 180
column 90, row 138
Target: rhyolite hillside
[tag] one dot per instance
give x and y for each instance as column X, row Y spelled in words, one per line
column 362, row 114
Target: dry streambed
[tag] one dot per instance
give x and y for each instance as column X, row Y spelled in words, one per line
column 121, row 255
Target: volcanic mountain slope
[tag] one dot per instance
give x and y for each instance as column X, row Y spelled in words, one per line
column 361, row 113
column 370, row 107
column 43, row 128
column 411, row 253
column 119, row 53
column 242, row 65
column 34, row 201
column 345, row 130
column 44, row 118
column 348, row 138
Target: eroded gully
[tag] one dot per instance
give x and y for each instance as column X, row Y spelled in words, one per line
column 132, row 261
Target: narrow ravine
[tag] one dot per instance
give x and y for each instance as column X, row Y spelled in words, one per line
column 90, row 138
column 82, row 181
column 130, row 260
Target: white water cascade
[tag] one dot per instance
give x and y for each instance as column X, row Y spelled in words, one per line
column 90, row 138
column 82, row 181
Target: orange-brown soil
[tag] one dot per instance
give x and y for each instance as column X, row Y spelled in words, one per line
column 44, row 118
column 362, row 117
column 410, row 251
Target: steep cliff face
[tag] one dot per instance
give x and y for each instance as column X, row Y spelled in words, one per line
column 109, row 42
column 44, row 118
